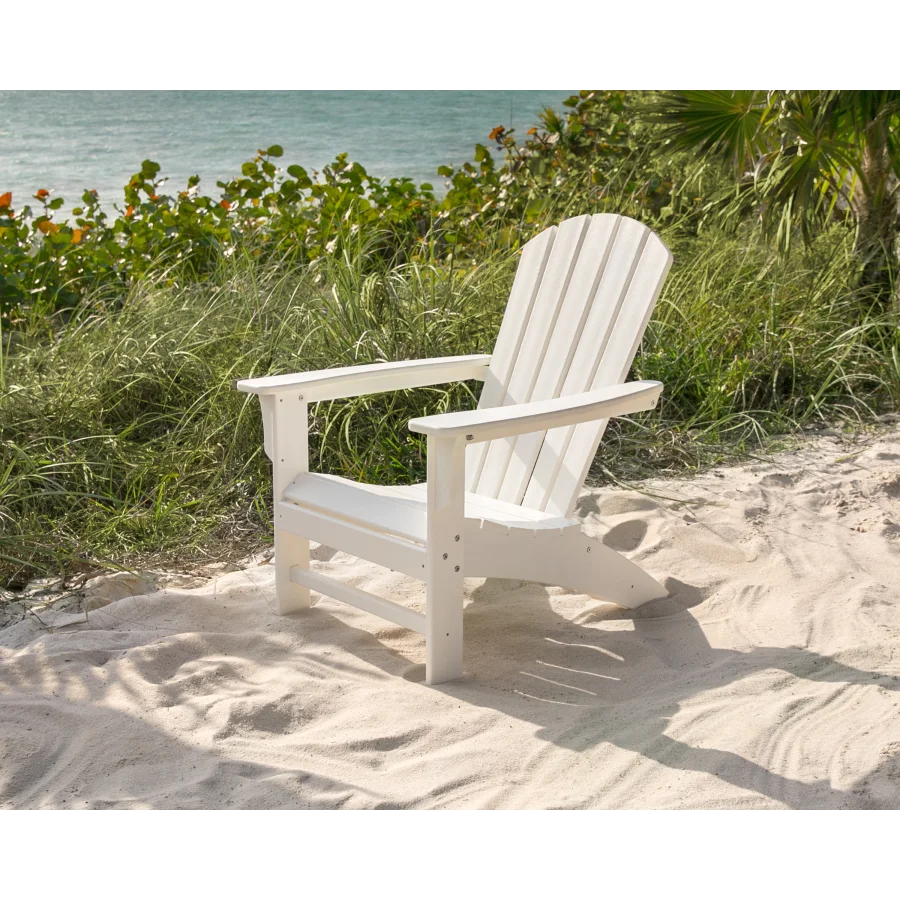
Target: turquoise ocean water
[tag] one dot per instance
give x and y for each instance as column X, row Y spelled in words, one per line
column 70, row 141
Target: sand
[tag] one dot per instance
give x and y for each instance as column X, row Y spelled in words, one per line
column 769, row 678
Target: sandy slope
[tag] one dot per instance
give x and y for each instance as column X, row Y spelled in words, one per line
column 770, row 678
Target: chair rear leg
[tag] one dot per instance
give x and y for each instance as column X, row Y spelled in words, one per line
column 290, row 550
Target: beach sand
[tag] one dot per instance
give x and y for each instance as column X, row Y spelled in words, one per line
column 769, row 678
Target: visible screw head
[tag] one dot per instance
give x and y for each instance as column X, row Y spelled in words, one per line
column 588, row 549
column 456, row 568
column 445, row 556
column 456, row 538
column 470, row 437
column 300, row 397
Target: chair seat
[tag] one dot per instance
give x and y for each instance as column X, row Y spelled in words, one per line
column 401, row 510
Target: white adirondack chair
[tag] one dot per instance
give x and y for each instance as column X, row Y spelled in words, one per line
column 502, row 480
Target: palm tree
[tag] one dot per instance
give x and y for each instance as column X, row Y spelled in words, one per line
column 804, row 157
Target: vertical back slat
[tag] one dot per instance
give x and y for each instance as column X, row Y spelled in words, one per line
column 592, row 343
column 581, row 300
column 570, row 322
column 572, row 453
column 526, row 284
column 527, row 363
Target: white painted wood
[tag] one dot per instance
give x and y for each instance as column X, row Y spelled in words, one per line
column 568, row 559
column 354, row 538
column 398, row 510
column 353, row 381
column 487, row 509
column 529, row 275
column 344, row 499
column 286, row 418
column 575, row 305
column 444, row 560
column 590, row 346
column 559, row 270
column 612, row 368
column 490, row 424
column 345, row 593
column 580, row 302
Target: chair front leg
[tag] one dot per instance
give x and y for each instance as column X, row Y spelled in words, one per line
column 444, row 560
column 286, row 423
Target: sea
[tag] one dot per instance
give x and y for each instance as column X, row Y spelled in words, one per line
column 69, row 141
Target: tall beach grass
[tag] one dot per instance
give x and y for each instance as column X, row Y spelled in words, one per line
column 123, row 439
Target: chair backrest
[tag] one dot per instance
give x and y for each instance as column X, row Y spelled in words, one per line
column 581, row 299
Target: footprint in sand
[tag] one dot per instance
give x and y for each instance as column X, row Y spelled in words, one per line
column 626, row 536
column 778, row 479
column 618, row 504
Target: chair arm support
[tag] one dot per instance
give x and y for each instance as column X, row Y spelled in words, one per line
column 539, row 415
column 352, row 381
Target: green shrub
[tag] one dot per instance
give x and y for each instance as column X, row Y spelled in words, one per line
column 122, row 438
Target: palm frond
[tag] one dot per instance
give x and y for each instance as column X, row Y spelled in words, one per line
column 727, row 123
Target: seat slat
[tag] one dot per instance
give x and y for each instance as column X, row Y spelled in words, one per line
column 349, row 500
column 400, row 511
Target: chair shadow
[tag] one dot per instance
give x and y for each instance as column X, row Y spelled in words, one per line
column 586, row 671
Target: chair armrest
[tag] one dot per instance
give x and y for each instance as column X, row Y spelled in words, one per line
column 539, row 415
column 351, row 381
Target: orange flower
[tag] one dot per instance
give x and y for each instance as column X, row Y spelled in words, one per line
column 154, row 196
column 129, row 212
column 77, row 235
column 496, row 133
column 42, row 193
column 47, row 227
column 225, row 204
column 5, row 199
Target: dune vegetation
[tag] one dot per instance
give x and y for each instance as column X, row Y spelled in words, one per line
column 122, row 440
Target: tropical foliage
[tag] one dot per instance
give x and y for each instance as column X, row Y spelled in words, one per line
column 123, row 442
column 803, row 159
column 587, row 157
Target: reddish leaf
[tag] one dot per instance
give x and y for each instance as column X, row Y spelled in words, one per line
column 5, row 199
column 42, row 193
column 47, row 227
column 496, row 133
column 225, row 204
column 129, row 212
column 77, row 235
